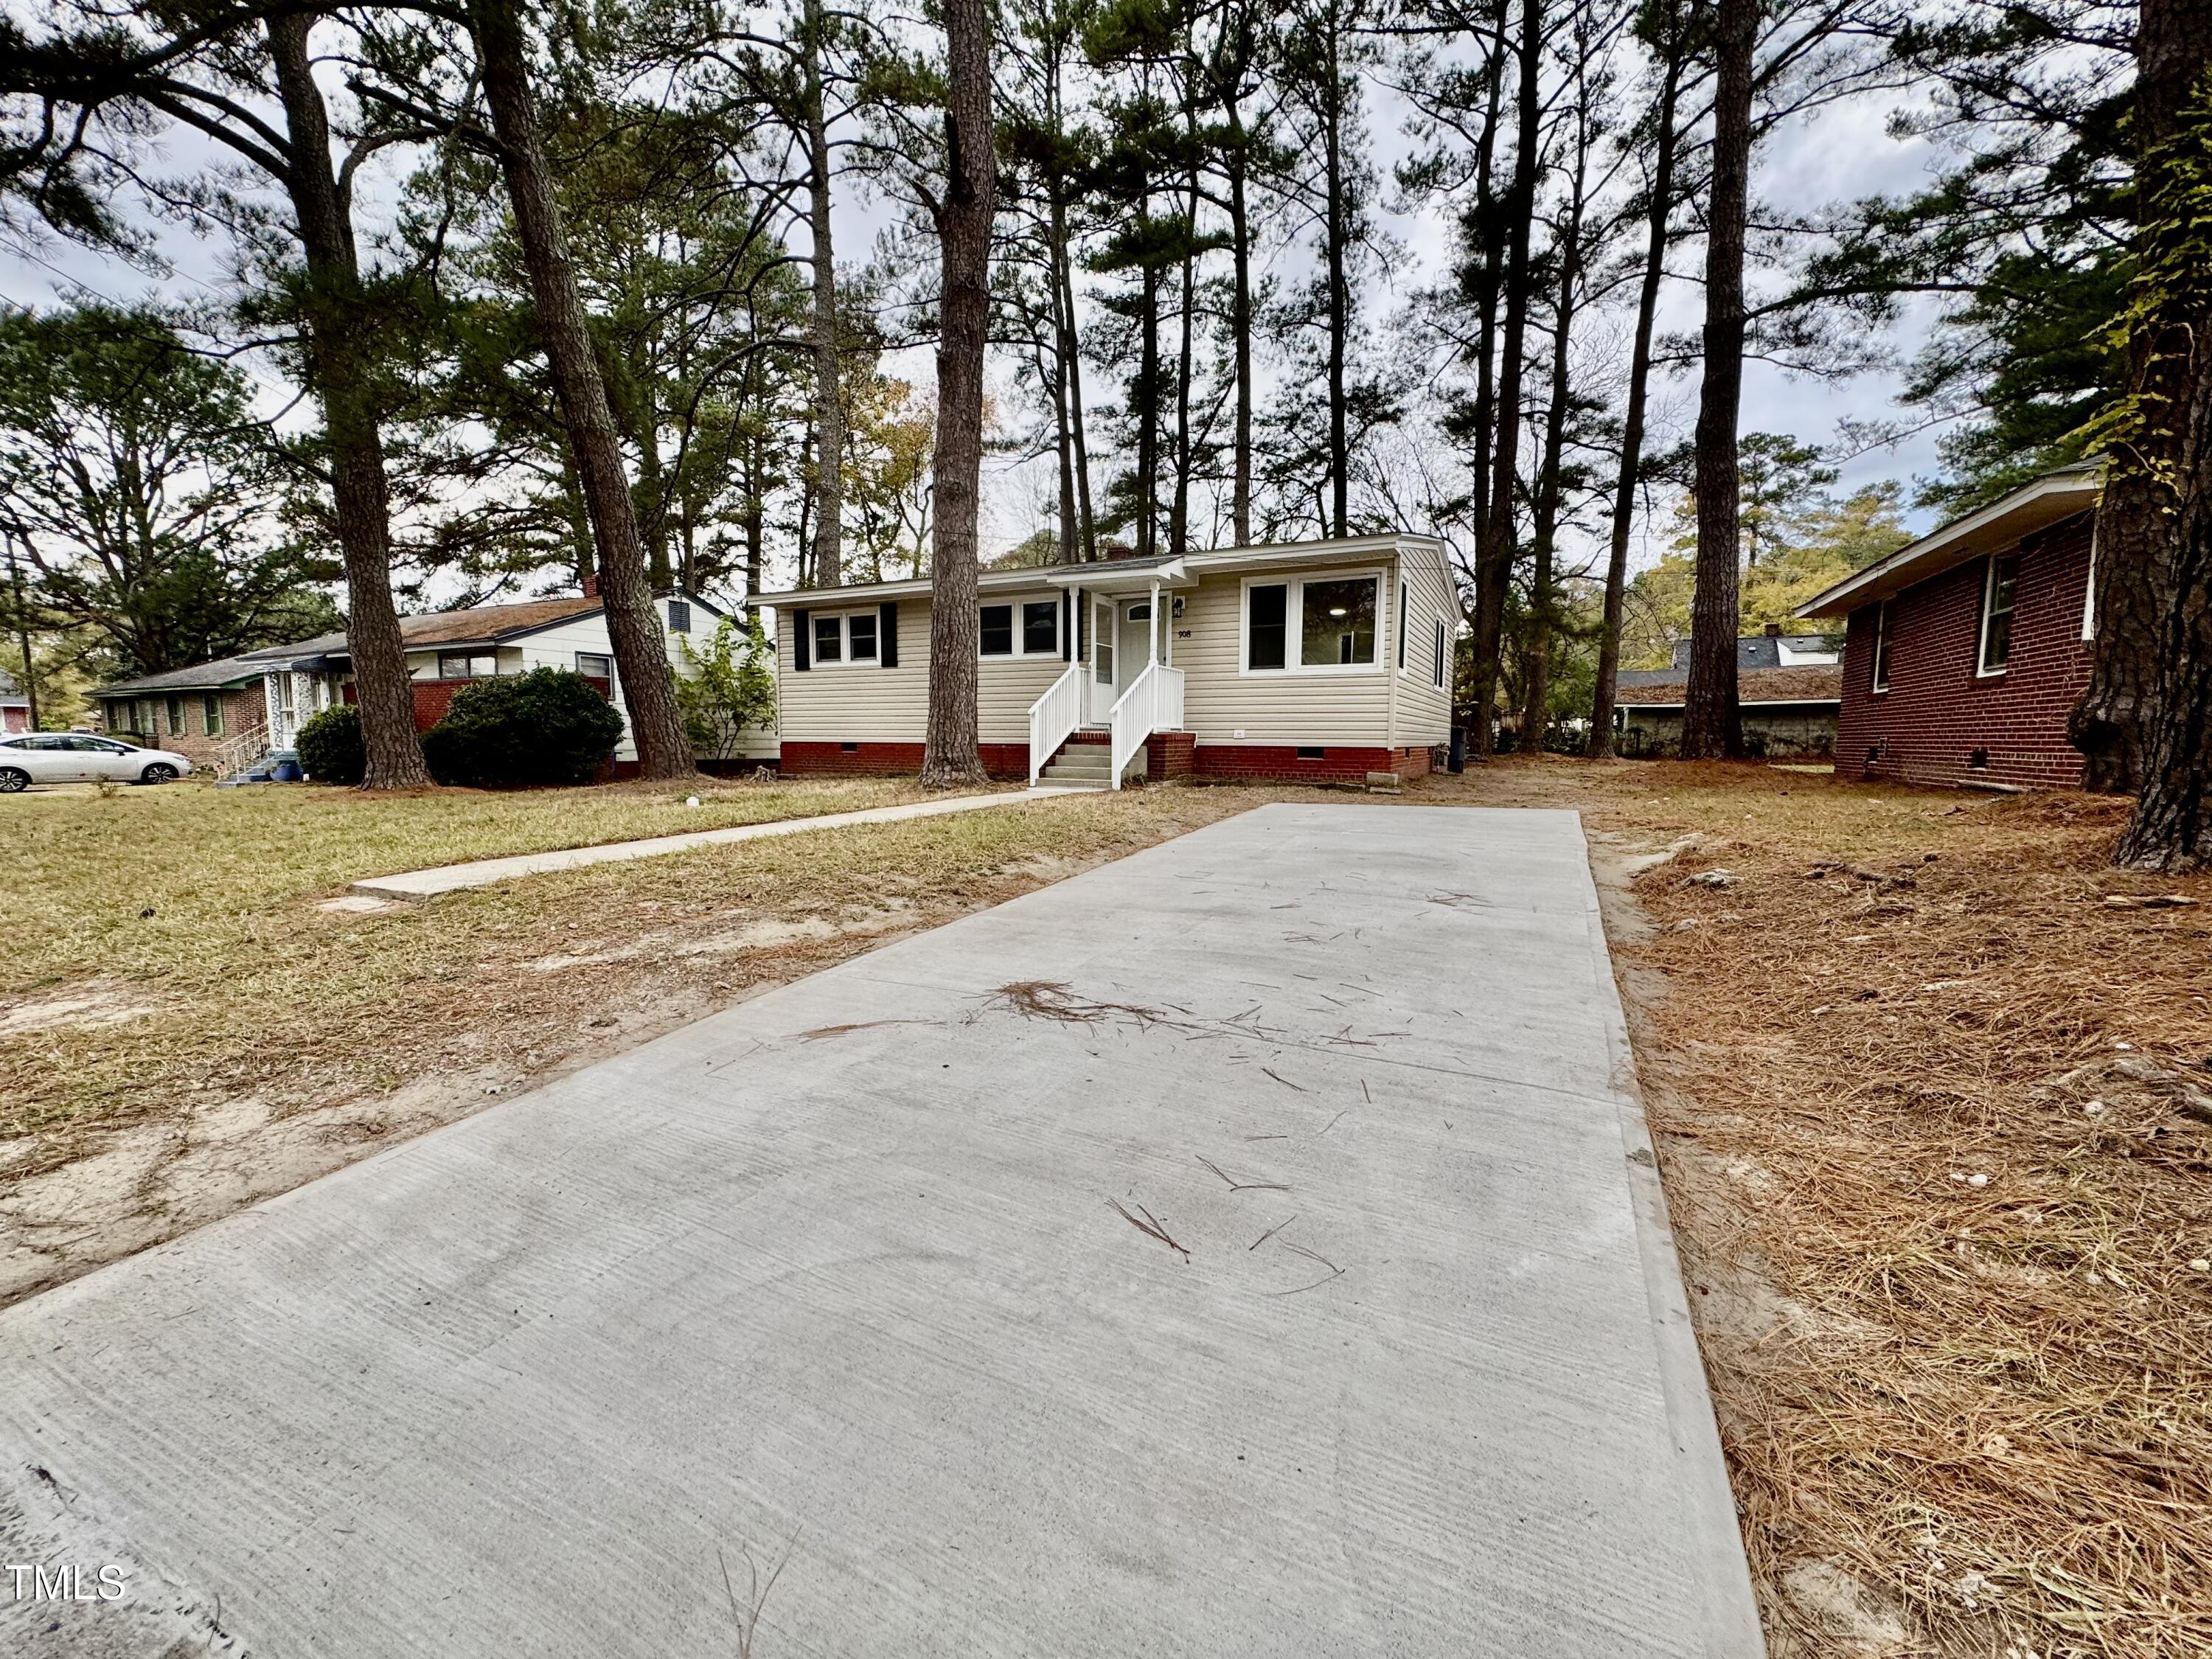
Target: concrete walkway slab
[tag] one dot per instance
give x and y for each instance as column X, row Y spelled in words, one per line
column 1249, row 1247
column 490, row 872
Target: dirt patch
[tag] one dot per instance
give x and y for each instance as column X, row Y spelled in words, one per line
column 78, row 1005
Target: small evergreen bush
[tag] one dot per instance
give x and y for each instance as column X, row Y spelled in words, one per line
column 331, row 747
column 548, row 727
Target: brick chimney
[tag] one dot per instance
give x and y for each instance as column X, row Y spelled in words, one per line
column 592, row 585
column 1773, row 629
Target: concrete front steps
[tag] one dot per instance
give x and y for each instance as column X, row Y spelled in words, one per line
column 1086, row 762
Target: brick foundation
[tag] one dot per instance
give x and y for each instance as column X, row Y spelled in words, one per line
column 1170, row 756
column 1000, row 760
column 1937, row 712
column 1282, row 763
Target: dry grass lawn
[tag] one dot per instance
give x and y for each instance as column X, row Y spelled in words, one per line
column 1935, row 1113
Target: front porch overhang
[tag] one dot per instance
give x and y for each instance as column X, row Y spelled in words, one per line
column 1116, row 576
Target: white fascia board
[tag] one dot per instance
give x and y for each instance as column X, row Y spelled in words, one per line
column 2031, row 507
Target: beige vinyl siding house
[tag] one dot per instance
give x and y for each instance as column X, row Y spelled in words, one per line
column 1273, row 662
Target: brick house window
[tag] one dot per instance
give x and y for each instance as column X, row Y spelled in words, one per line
column 211, row 714
column 1998, row 593
column 176, row 712
column 467, row 664
column 1881, row 646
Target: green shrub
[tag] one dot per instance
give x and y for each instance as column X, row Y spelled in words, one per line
column 547, row 726
column 329, row 745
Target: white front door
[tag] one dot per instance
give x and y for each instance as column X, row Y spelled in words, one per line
column 1136, row 639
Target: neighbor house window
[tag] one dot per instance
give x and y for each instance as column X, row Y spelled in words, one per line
column 467, row 664
column 595, row 665
column 1405, row 615
column 829, row 639
column 860, row 636
column 176, row 715
column 1444, row 650
column 1998, row 596
column 1881, row 646
column 680, row 615
column 211, row 715
column 1041, row 628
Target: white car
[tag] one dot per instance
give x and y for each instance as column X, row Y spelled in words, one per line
column 80, row 757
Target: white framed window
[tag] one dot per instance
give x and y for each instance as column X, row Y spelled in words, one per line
column 1881, row 646
column 2000, row 589
column 1405, row 622
column 1024, row 627
column 467, row 664
column 1324, row 623
column 595, row 665
column 847, row 639
column 1444, row 654
column 2089, row 591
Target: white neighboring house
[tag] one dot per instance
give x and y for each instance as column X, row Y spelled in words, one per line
column 446, row 650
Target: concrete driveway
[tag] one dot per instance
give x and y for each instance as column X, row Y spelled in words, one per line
column 1249, row 1247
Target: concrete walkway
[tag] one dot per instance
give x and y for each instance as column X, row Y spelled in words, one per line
column 1249, row 1247
column 487, row 873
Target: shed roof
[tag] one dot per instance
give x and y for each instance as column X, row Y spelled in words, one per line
column 1808, row 683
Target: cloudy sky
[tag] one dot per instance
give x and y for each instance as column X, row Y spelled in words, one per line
column 1846, row 153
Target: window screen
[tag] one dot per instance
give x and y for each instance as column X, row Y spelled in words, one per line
column 680, row 615
column 1337, row 626
column 1266, row 625
column 595, row 665
column 998, row 631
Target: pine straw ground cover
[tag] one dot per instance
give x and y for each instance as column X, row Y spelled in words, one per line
column 1937, row 1123
column 162, row 1071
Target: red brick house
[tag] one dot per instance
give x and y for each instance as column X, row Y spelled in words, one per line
column 1964, row 651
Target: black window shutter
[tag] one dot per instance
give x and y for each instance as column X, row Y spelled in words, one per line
column 802, row 642
column 1082, row 622
column 887, row 633
column 1066, row 626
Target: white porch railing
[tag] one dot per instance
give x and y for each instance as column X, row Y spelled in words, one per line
column 1153, row 703
column 236, row 754
column 1053, row 718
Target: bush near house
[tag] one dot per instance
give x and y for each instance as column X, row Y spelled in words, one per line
column 727, row 689
column 331, row 747
column 547, row 726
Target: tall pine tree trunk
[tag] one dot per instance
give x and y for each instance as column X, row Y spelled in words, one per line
column 341, row 369
column 2146, row 721
column 1240, row 329
column 1639, row 383
column 1494, row 557
column 828, row 393
column 1712, row 724
column 640, row 648
column 963, row 228
column 1339, row 295
column 1537, row 691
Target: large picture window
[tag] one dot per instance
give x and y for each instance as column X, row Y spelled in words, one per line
column 1998, row 596
column 1030, row 628
column 1312, row 624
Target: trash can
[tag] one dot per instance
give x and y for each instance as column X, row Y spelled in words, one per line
column 1458, row 761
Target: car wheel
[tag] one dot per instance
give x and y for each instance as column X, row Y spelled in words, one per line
column 12, row 779
column 159, row 772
